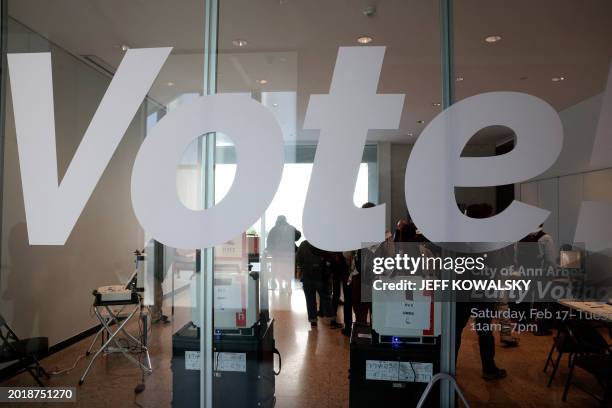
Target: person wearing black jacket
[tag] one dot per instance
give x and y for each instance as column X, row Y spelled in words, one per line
column 313, row 269
column 483, row 326
column 339, row 272
column 361, row 281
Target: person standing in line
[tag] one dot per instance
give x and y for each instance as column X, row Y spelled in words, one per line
column 338, row 271
column 347, row 291
column 361, row 281
column 538, row 250
column 281, row 248
column 313, row 271
column 482, row 325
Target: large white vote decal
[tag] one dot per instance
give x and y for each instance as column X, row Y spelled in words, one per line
column 344, row 116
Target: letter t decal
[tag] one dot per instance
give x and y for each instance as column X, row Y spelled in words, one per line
column 352, row 107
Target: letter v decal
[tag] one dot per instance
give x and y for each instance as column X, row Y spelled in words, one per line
column 52, row 208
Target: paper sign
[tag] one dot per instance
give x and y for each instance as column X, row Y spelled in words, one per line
column 415, row 372
column 382, row 370
column 404, row 371
column 192, row 360
column 230, row 362
column 228, row 295
column 410, row 314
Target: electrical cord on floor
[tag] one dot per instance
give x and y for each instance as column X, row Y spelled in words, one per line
column 69, row 369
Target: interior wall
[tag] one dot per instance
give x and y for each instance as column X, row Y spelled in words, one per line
column 46, row 290
column 579, row 126
column 571, row 179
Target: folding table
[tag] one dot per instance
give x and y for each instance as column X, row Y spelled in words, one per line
column 107, row 317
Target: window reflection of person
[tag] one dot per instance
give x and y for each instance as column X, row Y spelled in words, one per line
column 281, row 248
column 30, row 275
column 361, row 281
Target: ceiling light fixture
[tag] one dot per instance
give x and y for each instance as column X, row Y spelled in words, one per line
column 262, row 81
column 492, row 39
column 240, row 43
column 436, row 104
column 124, row 47
column 170, row 83
column 420, row 121
column 365, row 39
column 409, row 134
column 558, row 79
column 459, row 79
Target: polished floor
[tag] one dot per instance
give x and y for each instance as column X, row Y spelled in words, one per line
column 314, row 370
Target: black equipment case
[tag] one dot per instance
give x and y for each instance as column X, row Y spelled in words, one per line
column 248, row 383
column 366, row 393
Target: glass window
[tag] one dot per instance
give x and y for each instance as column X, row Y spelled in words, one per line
column 46, row 290
column 559, row 52
column 277, row 315
column 281, row 54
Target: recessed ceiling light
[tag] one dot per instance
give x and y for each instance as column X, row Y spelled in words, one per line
column 170, row 83
column 492, row 39
column 275, row 105
column 420, row 121
column 558, row 79
column 459, row 79
column 240, row 43
column 436, row 104
column 124, row 47
column 364, row 39
column 262, row 81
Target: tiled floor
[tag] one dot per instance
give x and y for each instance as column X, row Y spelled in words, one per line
column 314, row 372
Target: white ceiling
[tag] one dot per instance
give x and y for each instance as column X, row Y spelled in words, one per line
column 293, row 45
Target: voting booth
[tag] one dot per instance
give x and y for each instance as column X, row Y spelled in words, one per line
column 240, row 362
column 236, row 288
column 392, row 361
column 243, row 343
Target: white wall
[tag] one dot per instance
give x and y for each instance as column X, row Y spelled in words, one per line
column 571, row 179
column 579, row 125
column 46, row 290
